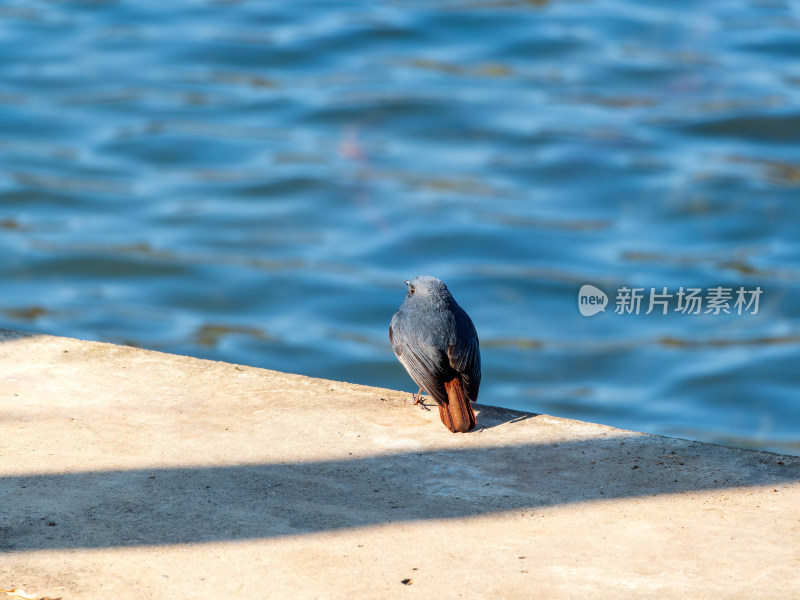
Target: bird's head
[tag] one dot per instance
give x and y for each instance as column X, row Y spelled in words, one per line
column 425, row 286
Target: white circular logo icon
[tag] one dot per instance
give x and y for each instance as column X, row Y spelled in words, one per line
column 591, row 300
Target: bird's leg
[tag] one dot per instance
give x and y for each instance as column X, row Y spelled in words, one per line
column 418, row 400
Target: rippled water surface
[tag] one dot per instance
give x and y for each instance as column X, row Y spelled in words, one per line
column 253, row 181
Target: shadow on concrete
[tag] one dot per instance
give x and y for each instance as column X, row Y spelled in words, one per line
column 488, row 416
column 218, row 503
column 494, row 416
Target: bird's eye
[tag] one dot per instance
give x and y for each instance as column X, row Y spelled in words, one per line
column 412, row 289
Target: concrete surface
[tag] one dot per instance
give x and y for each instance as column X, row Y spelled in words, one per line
column 126, row 473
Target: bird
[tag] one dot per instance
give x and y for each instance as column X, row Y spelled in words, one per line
column 436, row 342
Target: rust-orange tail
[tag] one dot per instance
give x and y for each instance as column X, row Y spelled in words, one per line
column 457, row 414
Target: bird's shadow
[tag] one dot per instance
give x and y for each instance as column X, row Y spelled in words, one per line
column 488, row 417
column 494, row 416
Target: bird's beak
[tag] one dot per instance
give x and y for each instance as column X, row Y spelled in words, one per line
column 407, row 283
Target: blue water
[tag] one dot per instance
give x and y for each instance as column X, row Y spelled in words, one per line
column 253, row 181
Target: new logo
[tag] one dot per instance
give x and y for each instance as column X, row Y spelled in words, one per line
column 591, row 300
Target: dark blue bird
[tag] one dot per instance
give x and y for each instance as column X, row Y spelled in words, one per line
column 436, row 342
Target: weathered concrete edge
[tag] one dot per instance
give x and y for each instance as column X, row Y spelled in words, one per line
column 488, row 410
column 494, row 414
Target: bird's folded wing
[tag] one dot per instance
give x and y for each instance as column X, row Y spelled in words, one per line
column 465, row 357
column 425, row 364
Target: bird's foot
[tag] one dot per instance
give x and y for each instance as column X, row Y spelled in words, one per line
column 418, row 400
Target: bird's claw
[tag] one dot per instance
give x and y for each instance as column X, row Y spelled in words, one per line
column 418, row 400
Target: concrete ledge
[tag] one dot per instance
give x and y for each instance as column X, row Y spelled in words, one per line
column 127, row 473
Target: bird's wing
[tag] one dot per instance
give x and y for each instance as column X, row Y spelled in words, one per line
column 425, row 364
column 465, row 356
